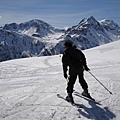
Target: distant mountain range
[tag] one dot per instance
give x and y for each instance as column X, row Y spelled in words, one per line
column 37, row 38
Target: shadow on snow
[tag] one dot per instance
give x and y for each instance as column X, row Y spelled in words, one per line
column 95, row 112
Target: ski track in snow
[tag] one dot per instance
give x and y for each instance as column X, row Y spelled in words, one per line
column 29, row 87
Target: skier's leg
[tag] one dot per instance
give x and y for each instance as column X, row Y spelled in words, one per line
column 82, row 81
column 71, row 82
column 84, row 86
column 70, row 86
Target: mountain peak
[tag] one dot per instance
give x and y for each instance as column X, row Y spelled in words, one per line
column 37, row 22
column 107, row 21
column 110, row 23
column 32, row 23
column 86, row 24
column 31, row 28
column 90, row 20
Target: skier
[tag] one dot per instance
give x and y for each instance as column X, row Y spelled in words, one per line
column 76, row 61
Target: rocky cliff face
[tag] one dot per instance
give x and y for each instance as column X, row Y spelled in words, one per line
column 14, row 45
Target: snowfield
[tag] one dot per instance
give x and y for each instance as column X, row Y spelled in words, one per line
column 29, row 87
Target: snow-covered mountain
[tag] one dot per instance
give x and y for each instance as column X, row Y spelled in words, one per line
column 14, row 45
column 35, row 27
column 29, row 87
column 37, row 38
column 25, row 39
column 90, row 33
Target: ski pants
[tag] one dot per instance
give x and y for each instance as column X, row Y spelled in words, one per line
column 72, row 80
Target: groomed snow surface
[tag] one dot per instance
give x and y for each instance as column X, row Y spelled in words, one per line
column 29, row 87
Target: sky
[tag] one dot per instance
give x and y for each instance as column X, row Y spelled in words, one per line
column 58, row 13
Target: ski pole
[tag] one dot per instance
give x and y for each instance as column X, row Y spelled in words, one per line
column 101, row 83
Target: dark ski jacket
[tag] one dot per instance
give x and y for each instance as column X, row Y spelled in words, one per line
column 75, row 60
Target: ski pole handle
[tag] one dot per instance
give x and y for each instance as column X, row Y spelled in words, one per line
column 101, row 83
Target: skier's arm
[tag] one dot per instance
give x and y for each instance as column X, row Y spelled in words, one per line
column 84, row 62
column 65, row 65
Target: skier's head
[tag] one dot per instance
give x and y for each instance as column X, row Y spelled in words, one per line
column 68, row 44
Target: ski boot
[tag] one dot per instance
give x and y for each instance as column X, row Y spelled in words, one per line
column 86, row 94
column 69, row 98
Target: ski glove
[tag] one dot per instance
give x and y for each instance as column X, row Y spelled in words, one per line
column 86, row 68
column 65, row 75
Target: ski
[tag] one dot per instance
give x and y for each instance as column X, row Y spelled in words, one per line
column 73, row 104
column 87, row 98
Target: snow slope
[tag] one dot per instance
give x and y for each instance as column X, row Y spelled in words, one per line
column 28, row 87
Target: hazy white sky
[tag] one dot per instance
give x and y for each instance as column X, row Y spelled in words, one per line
column 58, row 13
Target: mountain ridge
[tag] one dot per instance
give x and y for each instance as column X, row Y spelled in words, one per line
column 32, row 27
column 38, row 38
